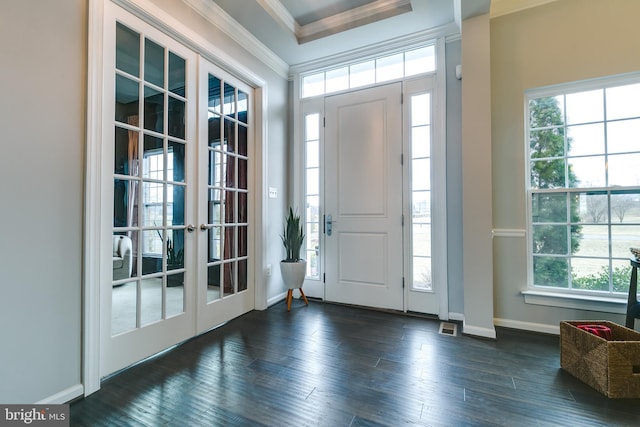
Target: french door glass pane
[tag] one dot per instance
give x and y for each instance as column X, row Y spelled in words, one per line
column 151, row 300
column 128, row 50
column 153, row 63
column 177, row 70
column 243, row 107
column 176, row 116
column 175, row 294
column 242, row 275
column 127, row 99
column 153, row 110
column 229, row 106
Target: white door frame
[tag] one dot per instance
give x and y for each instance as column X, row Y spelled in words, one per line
column 315, row 286
column 93, row 243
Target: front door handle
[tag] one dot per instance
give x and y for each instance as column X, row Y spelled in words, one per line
column 328, row 224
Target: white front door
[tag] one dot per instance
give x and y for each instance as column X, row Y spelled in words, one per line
column 175, row 254
column 363, row 198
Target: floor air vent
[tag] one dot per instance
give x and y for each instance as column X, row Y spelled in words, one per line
column 448, row 329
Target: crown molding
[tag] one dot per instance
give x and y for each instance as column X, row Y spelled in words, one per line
column 281, row 15
column 223, row 21
column 353, row 18
column 377, row 10
column 376, row 49
column 506, row 7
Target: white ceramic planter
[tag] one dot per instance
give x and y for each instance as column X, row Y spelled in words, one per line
column 293, row 273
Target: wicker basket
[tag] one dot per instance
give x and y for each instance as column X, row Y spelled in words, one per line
column 611, row 367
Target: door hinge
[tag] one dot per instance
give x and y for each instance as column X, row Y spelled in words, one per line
column 324, row 277
column 324, row 122
column 401, row 98
column 402, row 159
column 402, row 220
column 403, row 283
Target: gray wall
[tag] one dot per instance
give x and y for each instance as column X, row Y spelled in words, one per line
column 42, row 116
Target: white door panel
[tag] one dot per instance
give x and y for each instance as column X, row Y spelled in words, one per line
column 363, row 195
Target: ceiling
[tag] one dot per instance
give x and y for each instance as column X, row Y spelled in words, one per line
column 302, row 31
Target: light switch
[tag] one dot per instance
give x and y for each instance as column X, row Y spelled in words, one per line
column 273, row 193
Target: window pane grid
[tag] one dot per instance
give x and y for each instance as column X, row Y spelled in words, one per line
column 377, row 70
column 421, row 232
column 312, row 193
column 227, row 192
column 584, row 190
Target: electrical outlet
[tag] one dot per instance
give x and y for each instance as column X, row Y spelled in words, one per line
column 268, row 272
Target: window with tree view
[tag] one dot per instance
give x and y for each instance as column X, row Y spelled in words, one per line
column 584, row 184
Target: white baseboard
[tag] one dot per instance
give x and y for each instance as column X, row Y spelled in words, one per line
column 478, row 331
column 63, row 396
column 276, row 299
column 456, row 316
column 528, row 326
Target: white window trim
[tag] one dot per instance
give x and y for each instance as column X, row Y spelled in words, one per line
column 563, row 298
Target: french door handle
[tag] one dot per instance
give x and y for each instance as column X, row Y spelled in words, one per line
column 191, row 228
column 205, row 227
column 328, row 224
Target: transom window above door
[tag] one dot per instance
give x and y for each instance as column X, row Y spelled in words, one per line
column 381, row 69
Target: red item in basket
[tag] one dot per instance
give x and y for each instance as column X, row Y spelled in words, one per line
column 600, row 330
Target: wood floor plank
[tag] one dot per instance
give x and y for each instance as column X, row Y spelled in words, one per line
column 333, row 365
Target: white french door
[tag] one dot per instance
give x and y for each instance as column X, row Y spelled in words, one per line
column 175, row 258
column 226, row 285
column 363, row 198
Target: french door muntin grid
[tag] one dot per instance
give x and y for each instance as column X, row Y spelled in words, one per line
column 227, row 191
column 150, row 122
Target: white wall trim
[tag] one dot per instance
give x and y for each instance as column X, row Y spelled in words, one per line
column 261, row 210
column 509, row 232
column 93, row 174
column 459, row 317
column 276, row 299
column 281, row 15
column 478, row 331
column 63, row 396
column 576, row 302
column 528, row 326
column 222, row 20
column 440, row 182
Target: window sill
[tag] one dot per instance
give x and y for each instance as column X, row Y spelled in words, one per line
column 576, row 302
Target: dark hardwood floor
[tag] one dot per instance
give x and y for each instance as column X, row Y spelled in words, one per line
column 331, row 365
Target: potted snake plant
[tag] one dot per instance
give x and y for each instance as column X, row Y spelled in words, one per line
column 293, row 268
